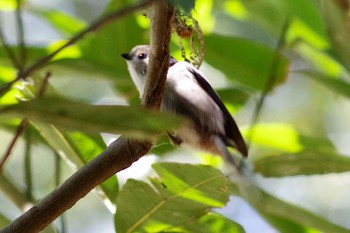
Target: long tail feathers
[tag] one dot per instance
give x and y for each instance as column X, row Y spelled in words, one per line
column 227, row 156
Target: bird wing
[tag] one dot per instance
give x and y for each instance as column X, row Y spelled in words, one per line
column 233, row 135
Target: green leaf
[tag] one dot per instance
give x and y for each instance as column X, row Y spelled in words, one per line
column 304, row 11
column 287, row 226
column 75, row 155
column 186, row 5
column 337, row 28
column 283, row 215
column 101, row 50
column 245, row 62
column 202, row 184
column 162, row 146
column 182, row 194
column 213, row 223
column 279, row 136
column 233, row 96
column 88, row 148
column 132, row 121
column 334, row 84
column 63, row 22
column 8, row 5
column 309, row 13
column 274, row 207
column 4, row 221
column 321, row 61
column 305, row 163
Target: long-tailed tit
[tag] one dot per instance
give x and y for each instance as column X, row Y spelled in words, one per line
column 188, row 93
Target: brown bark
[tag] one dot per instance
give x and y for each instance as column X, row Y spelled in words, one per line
column 121, row 153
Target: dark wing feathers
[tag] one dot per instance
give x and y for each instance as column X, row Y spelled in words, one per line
column 231, row 129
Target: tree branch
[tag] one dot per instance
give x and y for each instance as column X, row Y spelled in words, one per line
column 118, row 156
column 121, row 153
column 159, row 56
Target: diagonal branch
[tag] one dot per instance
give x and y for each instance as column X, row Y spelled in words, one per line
column 120, row 154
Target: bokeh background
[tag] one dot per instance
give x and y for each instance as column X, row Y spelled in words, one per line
column 300, row 144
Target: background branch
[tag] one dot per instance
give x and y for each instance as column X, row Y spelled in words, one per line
column 93, row 27
column 118, row 155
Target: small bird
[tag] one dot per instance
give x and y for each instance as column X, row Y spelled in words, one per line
column 189, row 94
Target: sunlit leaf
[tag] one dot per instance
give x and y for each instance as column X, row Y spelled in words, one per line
column 309, row 14
column 245, row 62
column 8, row 5
column 7, row 74
column 186, row 180
column 10, row 97
column 236, row 9
column 299, row 30
column 203, row 14
column 182, row 194
column 71, row 52
column 133, row 121
column 320, row 60
column 213, row 223
column 275, row 135
column 88, row 146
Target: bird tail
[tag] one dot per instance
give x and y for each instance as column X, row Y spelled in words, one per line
column 226, row 155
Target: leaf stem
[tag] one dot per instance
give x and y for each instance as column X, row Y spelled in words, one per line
column 20, row 34
column 272, row 77
column 20, row 129
column 11, row 55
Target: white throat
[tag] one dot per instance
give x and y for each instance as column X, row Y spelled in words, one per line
column 138, row 81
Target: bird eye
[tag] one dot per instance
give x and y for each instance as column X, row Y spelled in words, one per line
column 142, row 56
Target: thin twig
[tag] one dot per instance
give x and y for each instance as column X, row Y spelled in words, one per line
column 272, row 77
column 44, row 85
column 23, row 125
column 93, row 27
column 28, row 167
column 20, row 129
column 9, row 52
column 58, row 171
column 20, row 35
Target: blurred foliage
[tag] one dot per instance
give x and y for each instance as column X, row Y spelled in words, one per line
column 89, row 86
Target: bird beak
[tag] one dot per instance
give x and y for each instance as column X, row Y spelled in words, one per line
column 126, row 56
